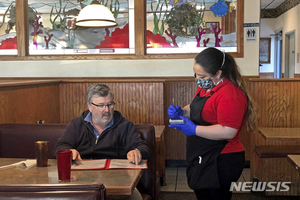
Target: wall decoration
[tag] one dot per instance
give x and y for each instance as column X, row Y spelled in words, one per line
column 208, row 25
column 220, row 8
column 264, row 50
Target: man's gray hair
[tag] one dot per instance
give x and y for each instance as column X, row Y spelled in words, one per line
column 98, row 90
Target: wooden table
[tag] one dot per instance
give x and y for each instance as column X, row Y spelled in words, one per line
column 116, row 181
column 294, row 160
column 282, row 134
column 160, row 152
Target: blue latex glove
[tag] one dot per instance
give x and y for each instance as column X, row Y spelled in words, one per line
column 175, row 112
column 188, row 128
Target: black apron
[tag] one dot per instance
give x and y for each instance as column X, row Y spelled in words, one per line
column 201, row 153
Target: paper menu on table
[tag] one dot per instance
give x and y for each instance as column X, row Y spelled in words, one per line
column 107, row 164
column 125, row 164
column 89, row 164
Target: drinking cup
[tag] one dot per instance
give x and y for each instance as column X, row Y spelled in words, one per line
column 41, row 149
column 64, row 160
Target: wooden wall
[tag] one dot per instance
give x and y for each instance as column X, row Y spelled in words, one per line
column 278, row 103
column 265, row 75
column 28, row 102
column 177, row 93
column 138, row 101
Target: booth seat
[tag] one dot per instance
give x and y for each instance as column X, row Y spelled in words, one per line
column 18, row 140
column 271, row 165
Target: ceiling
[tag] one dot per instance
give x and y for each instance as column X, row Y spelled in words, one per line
column 270, row 4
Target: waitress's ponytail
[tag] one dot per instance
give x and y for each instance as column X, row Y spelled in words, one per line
column 231, row 72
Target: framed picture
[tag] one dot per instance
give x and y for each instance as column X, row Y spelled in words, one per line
column 264, row 50
column 208, row 24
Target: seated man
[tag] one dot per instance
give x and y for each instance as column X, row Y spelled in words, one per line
column 101, row 132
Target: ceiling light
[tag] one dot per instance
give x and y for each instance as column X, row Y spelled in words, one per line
column 96, row 15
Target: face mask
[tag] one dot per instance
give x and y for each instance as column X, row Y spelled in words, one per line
column 205, row 83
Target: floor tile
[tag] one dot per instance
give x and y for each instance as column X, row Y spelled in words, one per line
column 183, row 187
column 169, row 187
column 171, row 179
column 176, row 180
column 246, row 174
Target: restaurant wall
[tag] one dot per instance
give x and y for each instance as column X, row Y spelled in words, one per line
column 132, row 68
column 266, row 29
column 289, row 21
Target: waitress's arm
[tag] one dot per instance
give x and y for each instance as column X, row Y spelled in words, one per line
column 187, row 111
column 216, row 132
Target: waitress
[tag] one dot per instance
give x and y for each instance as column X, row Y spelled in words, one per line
column 212, row 123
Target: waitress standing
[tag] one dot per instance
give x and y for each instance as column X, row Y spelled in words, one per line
column 212, row 123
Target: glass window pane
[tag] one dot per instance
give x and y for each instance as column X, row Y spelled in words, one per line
column 187, row 26
column 52, row 28
column 8, row 36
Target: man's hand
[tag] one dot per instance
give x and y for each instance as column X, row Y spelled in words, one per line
column 75, row 155
column 134, row 156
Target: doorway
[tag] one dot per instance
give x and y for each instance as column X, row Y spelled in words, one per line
column 289, row 69
column 278, row 54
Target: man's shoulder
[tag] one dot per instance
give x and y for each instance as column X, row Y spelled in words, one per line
column 118, row 117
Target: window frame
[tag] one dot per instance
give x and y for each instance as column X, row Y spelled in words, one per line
column 140, row 38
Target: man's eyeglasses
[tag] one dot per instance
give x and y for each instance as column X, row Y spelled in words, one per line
column 103, row 106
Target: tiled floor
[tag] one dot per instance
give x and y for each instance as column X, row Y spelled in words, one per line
column 176, row 179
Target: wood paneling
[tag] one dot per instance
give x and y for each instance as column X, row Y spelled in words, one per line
column 140, row 24
column 278, row 104
column 271, row 75
column 278, row 101
column 229, row 21
column 266, row 75
column 137, row 101
column 22, row 26
column 244, row 134
column 240, row 31
column 29, row 103
column 48, row 103
column 178, row 94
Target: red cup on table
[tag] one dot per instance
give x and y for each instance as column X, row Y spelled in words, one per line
column 64, row 160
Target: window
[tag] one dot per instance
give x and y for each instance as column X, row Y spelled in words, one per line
column 52, row 29
column 47, row 30
column 8, row 36
column 188, row 26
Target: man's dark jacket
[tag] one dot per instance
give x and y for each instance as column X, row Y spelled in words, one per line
column 115, row 142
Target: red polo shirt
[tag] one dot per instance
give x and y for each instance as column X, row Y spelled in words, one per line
column 227, row 106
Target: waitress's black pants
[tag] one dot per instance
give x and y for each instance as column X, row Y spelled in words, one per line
column 230, row 167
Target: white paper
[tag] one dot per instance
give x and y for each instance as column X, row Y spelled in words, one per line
column 89, row 164
column 30, row 163
column 27, row 163
column 124, row 163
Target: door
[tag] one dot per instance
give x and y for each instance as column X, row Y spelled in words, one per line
column 289, row 69
column 278, row 54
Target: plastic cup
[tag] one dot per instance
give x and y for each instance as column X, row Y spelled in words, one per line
column 41, row 149
column 64, row 160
